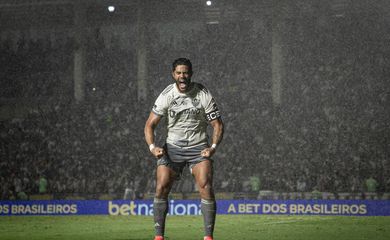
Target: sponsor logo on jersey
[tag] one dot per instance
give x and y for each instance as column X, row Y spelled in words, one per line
column 177, row 102
column 191, row 111
column 173, row 103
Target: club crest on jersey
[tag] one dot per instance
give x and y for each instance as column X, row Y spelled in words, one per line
column 195, row 102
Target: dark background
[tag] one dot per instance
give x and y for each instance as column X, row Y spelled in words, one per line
column 303, row 87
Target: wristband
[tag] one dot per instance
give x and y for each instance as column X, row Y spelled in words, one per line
column 151, row 147
column 214, row 146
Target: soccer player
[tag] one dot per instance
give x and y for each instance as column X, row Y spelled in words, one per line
column 189, row 107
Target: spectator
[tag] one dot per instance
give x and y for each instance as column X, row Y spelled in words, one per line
column 42, row 185
column 371, row 184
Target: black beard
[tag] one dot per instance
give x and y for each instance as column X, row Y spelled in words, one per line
column 186, row 81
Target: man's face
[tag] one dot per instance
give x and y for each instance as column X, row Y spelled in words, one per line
column 182, row 76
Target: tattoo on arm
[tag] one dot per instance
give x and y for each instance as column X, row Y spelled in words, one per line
column 218, row 130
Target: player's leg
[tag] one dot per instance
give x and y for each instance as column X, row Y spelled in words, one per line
column 203, row 174
column 164, row 181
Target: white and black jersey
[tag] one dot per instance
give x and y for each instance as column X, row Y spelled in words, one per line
column 187, row 114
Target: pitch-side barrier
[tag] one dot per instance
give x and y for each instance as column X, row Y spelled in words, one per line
column 192, row 207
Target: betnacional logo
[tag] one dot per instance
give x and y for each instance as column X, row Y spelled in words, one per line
column 131, row 208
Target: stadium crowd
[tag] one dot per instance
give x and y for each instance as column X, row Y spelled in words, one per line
column 330, row 133
column 98, row 147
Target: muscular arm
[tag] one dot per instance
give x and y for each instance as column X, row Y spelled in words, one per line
column 150, row 125
column 218, row 130
column 217, row 125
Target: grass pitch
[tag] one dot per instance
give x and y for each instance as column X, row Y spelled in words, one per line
column 249, row 227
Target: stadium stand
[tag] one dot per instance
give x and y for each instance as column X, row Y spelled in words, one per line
column 370, row 196
column 386, row 196
column 41, row 197
column 266, row 195
column 224, row 195
column 326, row 136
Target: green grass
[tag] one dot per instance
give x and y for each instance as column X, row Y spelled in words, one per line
column 228, row 227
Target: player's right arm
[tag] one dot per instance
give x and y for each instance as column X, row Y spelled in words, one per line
column 150, row 126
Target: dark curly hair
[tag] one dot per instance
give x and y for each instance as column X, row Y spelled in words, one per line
column 182, row 61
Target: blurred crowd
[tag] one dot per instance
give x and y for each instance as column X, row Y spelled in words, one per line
column 330, row 132
column 95, row 148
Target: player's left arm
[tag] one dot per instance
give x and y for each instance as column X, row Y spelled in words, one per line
column 218, row 130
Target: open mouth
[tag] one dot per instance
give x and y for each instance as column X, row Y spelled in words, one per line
column 182, row 84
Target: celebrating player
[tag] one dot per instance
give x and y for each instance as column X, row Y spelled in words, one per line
column 188, row 107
